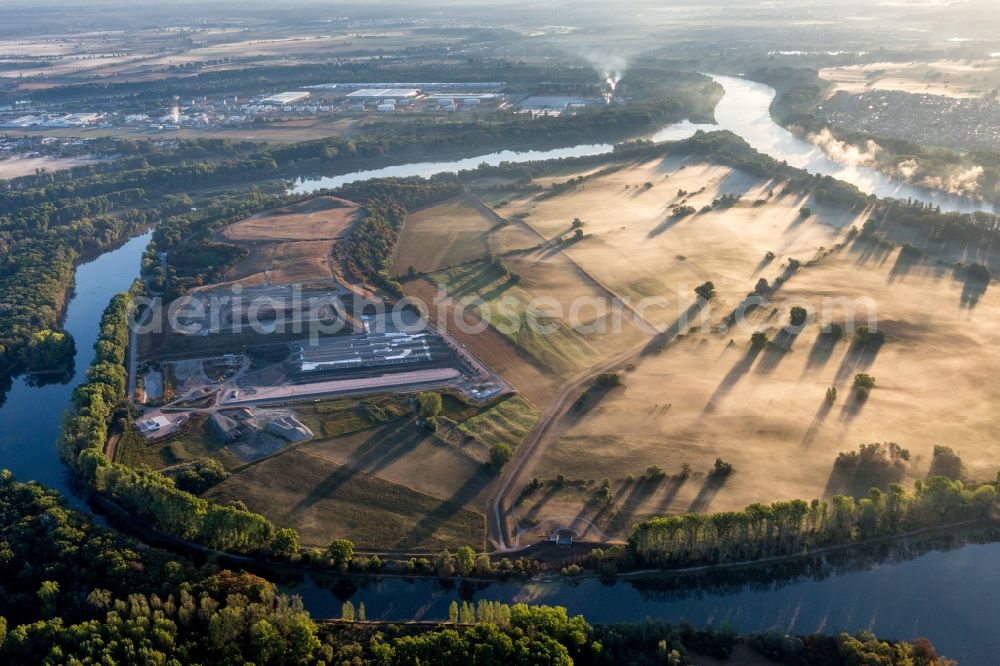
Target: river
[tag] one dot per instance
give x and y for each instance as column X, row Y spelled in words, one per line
column 951, row 596
column 30, row 416
column 744, row 109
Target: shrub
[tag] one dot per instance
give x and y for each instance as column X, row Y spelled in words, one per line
column 862, row 380
column 758, row 341
column 797, row 316
column 654, row 472
column 722, row 469
column 869, row 337
column 705, row 291
column 500, row 454
column 609, row 379
column 428, row 404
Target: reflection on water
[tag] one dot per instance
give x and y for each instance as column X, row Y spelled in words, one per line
column 30, row 416
column 427, row 169
column 935, row 588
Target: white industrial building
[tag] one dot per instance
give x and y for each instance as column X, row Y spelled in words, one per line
column 382, row 94
column 285, row 98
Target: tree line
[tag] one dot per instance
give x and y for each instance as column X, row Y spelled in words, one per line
column 796, row 527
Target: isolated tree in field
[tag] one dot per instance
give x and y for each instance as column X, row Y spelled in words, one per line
column 831, row 394
column 758, row 341
column 722, row 469
column 762, row 287
column 797, row 316
column 863, row 385
column 578, row 234
column 428, row 404
column 869, row 337
column 862, row 380
column 705, row 291
column 577, row 223
column 500, row 454
column 341, row 551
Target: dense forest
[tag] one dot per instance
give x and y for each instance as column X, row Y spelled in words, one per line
column 72, row 592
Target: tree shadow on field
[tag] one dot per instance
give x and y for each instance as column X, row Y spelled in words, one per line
column 762, row 264
column 667, row 224
column 814, row 427
column 384, row 447
column 776, row 351
column 674, row 485
column 679, row 325
column 852, row 406
column 444, row 512
column 586, row 403
column 728, row 382
column 858, row 358
column 905, row 264
column 473, row 283
column 869, row 250
column 641, row 490
column 821, row 351
column 499, row 290
column 972, row 290
column 550, row 491
column 713, row 484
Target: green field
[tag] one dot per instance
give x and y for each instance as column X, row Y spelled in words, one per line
column 496, row 298
column 507, row 422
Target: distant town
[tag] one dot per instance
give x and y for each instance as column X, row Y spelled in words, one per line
column 329, row 99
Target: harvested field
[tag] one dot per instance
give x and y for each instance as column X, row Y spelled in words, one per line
column 402, row 452
column 443, row 235
column 325, row 501
column 12, row 167
column 283, row 263
column 322, row 218
column 290, row 245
